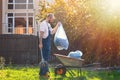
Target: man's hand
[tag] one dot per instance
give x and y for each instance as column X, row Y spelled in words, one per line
column 59, row 23
column 40, row 46
column 56, row 27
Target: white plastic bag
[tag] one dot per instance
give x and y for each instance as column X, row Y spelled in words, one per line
column 60, row 39
column 75, row 54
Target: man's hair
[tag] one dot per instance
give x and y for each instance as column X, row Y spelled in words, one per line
column 50, row 15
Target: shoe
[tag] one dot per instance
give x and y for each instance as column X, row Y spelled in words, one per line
column 47, row 75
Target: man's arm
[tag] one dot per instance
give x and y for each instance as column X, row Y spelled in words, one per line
column 55, row 28
column 41, row 36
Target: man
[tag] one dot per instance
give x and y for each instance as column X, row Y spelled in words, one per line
column 45, row 40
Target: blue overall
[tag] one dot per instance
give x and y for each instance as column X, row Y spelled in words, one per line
column 46, row 52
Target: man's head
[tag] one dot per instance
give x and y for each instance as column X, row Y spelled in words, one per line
column 50, row 17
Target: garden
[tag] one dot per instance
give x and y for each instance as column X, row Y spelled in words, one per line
column 91, row 26
column 27, row 72
column 31, row 72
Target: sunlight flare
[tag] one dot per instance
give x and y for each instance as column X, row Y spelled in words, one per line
column 111, row 6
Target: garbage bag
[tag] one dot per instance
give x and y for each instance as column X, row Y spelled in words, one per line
column 75, row 54
column 60, row 39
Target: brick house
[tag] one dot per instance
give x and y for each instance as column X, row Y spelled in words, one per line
column 18, row 16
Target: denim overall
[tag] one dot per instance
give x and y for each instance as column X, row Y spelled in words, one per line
column 46, row 52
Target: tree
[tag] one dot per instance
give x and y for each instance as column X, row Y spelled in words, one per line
column 88, row 29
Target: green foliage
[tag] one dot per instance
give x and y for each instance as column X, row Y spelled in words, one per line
column 19, row 73
column 2, row 62
column 32, row 73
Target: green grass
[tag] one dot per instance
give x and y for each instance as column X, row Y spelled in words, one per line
column 31, row 73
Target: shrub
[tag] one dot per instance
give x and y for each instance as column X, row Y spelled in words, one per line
column 2, row 62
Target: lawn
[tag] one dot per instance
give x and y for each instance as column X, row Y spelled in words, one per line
column 31, row 73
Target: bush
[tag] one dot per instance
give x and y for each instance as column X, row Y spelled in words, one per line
column 2, row 62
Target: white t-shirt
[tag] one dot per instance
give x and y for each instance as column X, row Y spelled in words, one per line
column 44, row 27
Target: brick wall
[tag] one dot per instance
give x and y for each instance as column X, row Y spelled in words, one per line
column 0, row 16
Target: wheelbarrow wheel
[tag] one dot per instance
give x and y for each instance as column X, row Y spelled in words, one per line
column 60, row 70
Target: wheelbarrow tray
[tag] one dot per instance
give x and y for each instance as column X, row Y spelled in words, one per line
column 70, row 62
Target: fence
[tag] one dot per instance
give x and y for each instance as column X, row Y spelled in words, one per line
column 19, row 49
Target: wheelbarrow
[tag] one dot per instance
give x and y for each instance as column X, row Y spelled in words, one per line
column 68, row 64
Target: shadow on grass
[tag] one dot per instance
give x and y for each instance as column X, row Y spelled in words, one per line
column 64, row 78
column 103, row 75
column 110, row 75
column 70, row 78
